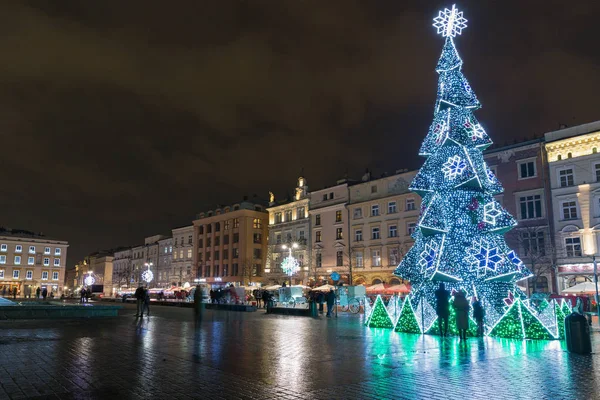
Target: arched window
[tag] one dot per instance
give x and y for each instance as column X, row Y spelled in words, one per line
column 559, row 157
column 541, row 285
column 594, row 150
column 569, row 155
column 394, row 281
column 376, row 281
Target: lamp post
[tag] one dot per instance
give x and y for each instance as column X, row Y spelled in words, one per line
column 596, row 285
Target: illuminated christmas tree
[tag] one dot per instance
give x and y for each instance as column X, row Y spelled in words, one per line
column 379, row 317
column 460, row 235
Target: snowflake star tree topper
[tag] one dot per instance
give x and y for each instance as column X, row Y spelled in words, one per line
column 147, row 276
column 290, row 265
column 450, row 23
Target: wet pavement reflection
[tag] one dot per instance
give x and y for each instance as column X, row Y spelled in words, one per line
column 257, row 356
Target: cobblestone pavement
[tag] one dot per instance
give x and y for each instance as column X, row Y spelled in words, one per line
column 234, row 355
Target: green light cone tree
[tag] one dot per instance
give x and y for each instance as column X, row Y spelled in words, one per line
column 407, row 321
column 379, row 317
column 519, row 322
column 459, row 238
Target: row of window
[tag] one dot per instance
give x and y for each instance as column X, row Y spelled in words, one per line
column 189, row 240
column 218, row 271
column 287, row 215
column 393, row 258
column 300, row 236
column 257, row 238
column 189, row 254
column 16, row 274
column 375, row 233
column 256, row 224
column 235, row 253
column 30, row 261
column 19, row 249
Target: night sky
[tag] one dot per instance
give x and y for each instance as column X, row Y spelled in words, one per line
column 123, row 119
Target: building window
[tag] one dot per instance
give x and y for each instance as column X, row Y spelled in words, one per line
column 257, row 238
column 278, row 219
column 569, row 209
column 278, row 238
column 374, row 189
column 288, row 215
column 2, row 259
column 375, row 210
column 226, row 239
column 225, row 269
column 565, row 177
column 410, row 204
column 30, row 260
column 18, row 248
column 217, row 229
column 16, row 274
column 46, row 261
column 236, row 238
column 331, row 196
column 3, row 247
column 527, row 169
column 301, row 235
column 338, row 234
column 55, row 276
column 319, row 260
column 256, row 223
column 180, row 253
column 57, row 251
column 411, row 227
column 29, row 274
column 375, row 233
column 357, row 213
column 317, row 236
column 392, row 207
column 1, row 274
column 208, row 242
column 394, row 256
column 531, row 206
column 318, row 219
column 338, row 216
column 216, row 271
column 339, row 258
column 17, row 260
column 325, row 197
column 217, row 240
column 31, row 249
column 393, row 231
column 301, row 213
column 44, row 275
column 358, row 235
column 217, row 255
column 226, row 225
column 189, row 253
column 200, row 230
column 360, row 263
column 236, row 223
column 57, row 262
column 573, row 247
column 533, row 244
column 597, row 170
column 376, row 258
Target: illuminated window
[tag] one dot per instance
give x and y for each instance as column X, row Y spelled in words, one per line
column 338, row 216
column 359, row 259
column 376, row 258
column 317, row 236
column 189, row 253
column 30, row 260
column 226, row 227
column 338, row 234
column 573, row 247
column 44, row 275
column 31, row 249
column 17, row 260
column 236, row 223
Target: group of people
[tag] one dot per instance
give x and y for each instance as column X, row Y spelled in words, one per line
column 43, row 293
column 142, row 300
column 12, row 292
column 320, row 298
column 461, row 308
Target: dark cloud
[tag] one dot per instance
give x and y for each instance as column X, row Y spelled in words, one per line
column 122, row 119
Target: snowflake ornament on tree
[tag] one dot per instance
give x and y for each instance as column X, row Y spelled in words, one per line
column 428, row 256
column 450, row 23
column 290, row 265
column 490, row 213
column 441, row 132
column 483, row 256
column 147, row 276
column 475, row 130
column 454, row 167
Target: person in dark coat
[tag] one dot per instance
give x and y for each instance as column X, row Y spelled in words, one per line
column 139, row 299
column 265, row 297
column 44, row 293
column 14, row 293
column 320, row 300
column 146, row 306
column 37, row 292
column 461, row 306
column 330, row 302
column 198, row 302
column 82, row 295
column 478, row 314
column 442, row 297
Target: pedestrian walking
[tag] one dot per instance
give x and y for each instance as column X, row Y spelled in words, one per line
column 15, row 293
column 330, row 302
column 461, row 306
column 44, row 293
column 139, row 300
column 198, row 302
column 442, row 297
column 37, row 292
column 320, row 300
column 478, row 314
column 146, row 306
column 82, row 296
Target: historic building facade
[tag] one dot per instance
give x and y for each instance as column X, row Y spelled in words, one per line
column 29, row 261
column 231, row 244
column 574, row 171
column 164, row 268
column 522, row 170
column 289, row 226
column 382, row 215
column 182, row 260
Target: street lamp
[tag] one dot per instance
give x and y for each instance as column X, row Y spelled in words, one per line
column 290, row 265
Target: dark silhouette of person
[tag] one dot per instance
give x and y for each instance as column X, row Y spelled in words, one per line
column 442, row 297
column 44, row 293
column 198, row 302
column 37, row 292
column 478, row 314
column 461, row 306
column 330, row 302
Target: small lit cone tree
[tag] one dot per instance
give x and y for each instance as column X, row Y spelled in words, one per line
column 519, row 322
column 379, row 317
column 407, row 321
column 459, row 239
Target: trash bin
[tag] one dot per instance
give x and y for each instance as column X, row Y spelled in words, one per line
column 577, row 334
column 313, row 309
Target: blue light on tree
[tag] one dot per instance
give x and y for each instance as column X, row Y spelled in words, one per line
column 460, row 233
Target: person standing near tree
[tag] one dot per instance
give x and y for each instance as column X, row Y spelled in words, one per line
column 478, row 314
column 442, row 297
column 461, row 306
column 139, row 300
